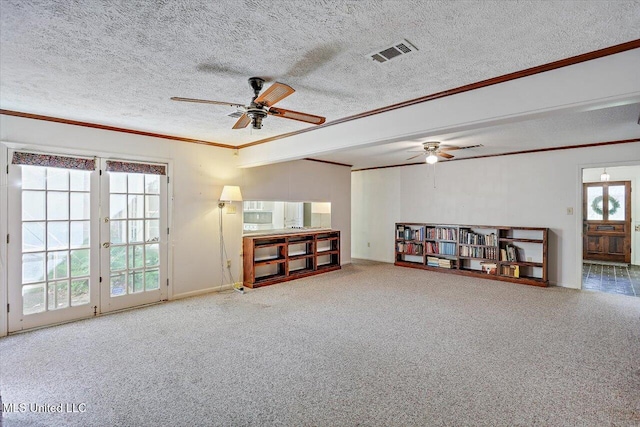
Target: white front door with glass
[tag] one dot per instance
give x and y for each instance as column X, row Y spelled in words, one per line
column 54, row 256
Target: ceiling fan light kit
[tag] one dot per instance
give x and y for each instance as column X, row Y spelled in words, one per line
column 432, row 158
column 261, row 105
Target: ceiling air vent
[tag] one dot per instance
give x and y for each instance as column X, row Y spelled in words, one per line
column 388, row 53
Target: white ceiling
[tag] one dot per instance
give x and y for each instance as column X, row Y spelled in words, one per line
column 117, row 63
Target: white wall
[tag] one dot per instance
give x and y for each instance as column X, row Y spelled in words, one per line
column 624, row 173
column 306, row 181
column 198, row 173
column 520, row 190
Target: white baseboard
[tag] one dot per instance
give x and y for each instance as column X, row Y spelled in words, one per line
column 202, row 292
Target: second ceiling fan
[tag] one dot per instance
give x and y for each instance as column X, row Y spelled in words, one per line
column 433, row 150
column 261, row 105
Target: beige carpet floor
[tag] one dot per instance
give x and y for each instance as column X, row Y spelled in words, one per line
column 369, row 345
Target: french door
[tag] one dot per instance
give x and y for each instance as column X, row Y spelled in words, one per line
column 133, row 235
column 61, row 263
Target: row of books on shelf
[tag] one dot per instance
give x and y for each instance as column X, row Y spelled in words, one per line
column 441, row 233
column 408, row 233
column 439, row 262
column 410, row 248
column 471, row 238
column 506, row 270
column 479, row 252
column 510, row 270
column 443, row 248
column 509, row 253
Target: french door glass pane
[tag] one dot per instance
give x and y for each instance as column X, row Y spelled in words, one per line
column 33, row 205
column 33, row 267
column 57, row 179
column 152, row 184
column 80, row 263
column 136, row 281
column 118, row 232
column 33, row 299
column 58, row 295
column 79, row 181
column 57, row 235
column 152, row 255
column 34, row 178
column 152, row 280
column 80, row 206
column 49, row 197
column 33, row 236
column 118, row 255
column 118, row 206
column 153, row 230
column 136, row 206
column 136, row 256
column 79, row 292
column 57, row 205
column 136, row 231
column 152, row 207
column 118, row 283
column 80, row 234
column 135, row 183
column 617, row 203
column 594, row 204
column 57, row 265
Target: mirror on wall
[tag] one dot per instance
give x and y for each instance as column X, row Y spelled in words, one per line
column 268, row 215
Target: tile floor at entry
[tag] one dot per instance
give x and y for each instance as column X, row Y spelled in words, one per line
column 611, row 279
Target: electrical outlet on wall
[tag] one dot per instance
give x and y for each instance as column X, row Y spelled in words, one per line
column 569, row 211
column 637, row 227
column 228, row 263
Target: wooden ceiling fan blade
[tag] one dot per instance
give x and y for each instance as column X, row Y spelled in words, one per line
column 276, row 92
column 419, row 155
column 296, row 115
column 242, row 122
column 452, row 147
column 206, row 101
column 445, row 155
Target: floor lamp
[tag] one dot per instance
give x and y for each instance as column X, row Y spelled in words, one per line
column 230, row 194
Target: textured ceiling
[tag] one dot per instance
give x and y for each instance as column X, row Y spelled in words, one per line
column 117, row 63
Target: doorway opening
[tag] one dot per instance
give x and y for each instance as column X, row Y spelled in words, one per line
column 611, row 230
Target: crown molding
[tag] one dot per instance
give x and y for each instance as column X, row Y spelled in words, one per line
column 111, row 128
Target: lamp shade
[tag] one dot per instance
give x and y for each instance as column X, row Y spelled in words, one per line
column 231, row 193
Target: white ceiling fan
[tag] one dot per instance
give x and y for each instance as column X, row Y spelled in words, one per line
column 433, row 150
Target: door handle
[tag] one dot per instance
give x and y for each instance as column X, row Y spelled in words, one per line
column 106, row 244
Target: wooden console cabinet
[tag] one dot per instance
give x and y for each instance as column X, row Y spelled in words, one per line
column 275, row 258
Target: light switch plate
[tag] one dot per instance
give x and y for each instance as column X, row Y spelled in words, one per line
column 569, row 211
column 231, row 209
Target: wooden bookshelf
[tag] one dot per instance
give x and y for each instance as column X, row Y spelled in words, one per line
column 275, row 258
column 512, row 254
